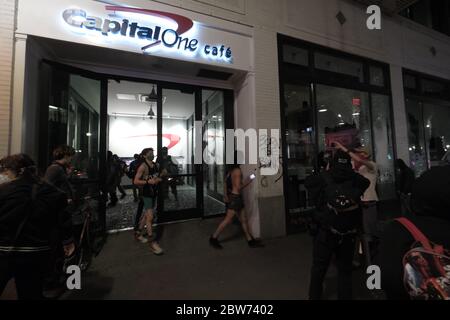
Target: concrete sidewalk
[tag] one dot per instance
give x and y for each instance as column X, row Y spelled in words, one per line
column 191, row 269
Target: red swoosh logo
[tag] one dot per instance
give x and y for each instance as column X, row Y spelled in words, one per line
column 184, row 24
column 173, row 138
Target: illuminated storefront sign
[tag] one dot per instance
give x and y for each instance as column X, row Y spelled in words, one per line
column 156, row 37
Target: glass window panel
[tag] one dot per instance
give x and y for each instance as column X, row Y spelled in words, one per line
column 295, row 55
column 214, row 129
column 437, row 133
column 344, row 116
column 433, row 87
column 74, row 120
column 377, row 76
column 410, row 81
column 340, row 65
column 383, row 144
column 416, row 138
column 300, row 148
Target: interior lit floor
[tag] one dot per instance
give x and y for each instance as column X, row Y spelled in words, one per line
column 122, row 215
column 191, row 269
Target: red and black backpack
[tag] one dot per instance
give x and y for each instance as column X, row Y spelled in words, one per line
column 426, row 267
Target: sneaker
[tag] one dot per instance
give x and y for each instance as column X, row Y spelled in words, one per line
column 139, row 237
column 154, row 246
column 255, row 244
column 215, row 243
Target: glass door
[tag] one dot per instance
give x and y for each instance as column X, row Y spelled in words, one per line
column 213, row 107
column 70, row 114
column 180, row 196
column 299, row 152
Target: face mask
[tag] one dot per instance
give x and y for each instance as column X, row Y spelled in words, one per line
column 4, row 179
column 151, row 157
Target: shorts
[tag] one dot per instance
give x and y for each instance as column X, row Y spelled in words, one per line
column 236, row 202
column 149, row 203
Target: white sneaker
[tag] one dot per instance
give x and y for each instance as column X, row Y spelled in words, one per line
column 142, row 239
column 154, row 246
column 139, row 237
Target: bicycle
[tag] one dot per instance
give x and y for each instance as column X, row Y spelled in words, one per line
column 84, row 252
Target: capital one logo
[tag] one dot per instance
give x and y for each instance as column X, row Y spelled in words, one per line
column 157, row 35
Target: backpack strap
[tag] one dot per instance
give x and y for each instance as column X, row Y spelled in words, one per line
column 420, row 237
column 415, row 232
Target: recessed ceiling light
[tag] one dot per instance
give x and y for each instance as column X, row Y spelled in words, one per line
column 122, row 96
column 323, row 110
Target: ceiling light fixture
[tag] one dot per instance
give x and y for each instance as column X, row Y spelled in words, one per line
column 153, row 100
column 129, row 97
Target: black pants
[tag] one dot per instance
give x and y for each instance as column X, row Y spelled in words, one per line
column 28, row 270
column 113, row 197
column 121, row 189
column 326, row 245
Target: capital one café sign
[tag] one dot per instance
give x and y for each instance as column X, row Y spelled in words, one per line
column 145, row 29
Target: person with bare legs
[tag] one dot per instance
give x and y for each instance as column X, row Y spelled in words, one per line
column 233, row 188
column 146, row 178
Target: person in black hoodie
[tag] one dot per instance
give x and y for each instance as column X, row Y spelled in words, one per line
column 336, row 194
column 430, row 204
column 403, row 183
column 31, row 211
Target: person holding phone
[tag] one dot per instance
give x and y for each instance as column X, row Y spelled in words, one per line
column 234, row 201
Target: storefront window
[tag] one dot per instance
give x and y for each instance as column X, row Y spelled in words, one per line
column 300, row 143
column 339, row 98
column 344, row 116
column 295, row 55
column 334, row 64
column 214, row 129
column 416, row 137
column 437, row 133
column 383, row 145
column 377, row 76
column 73, row 120
column 428, row 111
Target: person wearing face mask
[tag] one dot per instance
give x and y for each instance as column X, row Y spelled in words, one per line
column 31, row 211
column 366, row 167
column 147, row 180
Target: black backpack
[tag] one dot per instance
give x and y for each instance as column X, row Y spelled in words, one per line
column 338, row 196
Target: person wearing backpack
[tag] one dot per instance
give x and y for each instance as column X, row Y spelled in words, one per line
column 147, row 177
column 31, row 211
column 336, row 194
column 131, row 172
column 415, row 252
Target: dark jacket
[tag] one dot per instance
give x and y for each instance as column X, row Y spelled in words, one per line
column 57, row 176
column 356, row 186
column 45, row 216
column 405, row 180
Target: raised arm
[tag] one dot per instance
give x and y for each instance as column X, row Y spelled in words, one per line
column 356, row 157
